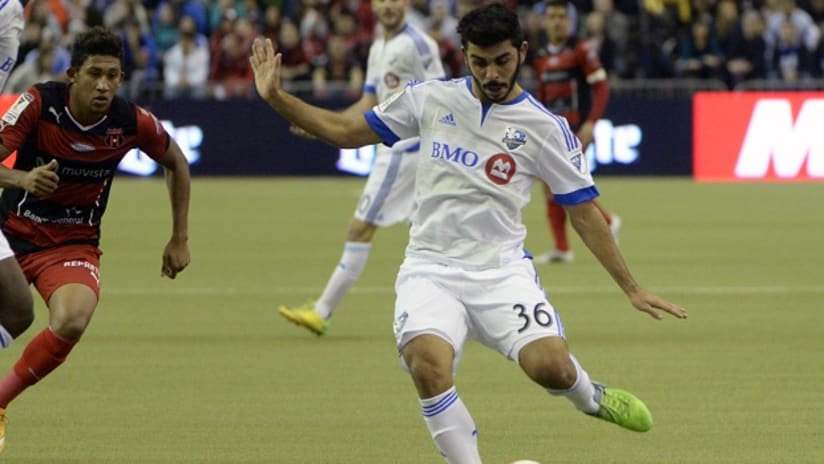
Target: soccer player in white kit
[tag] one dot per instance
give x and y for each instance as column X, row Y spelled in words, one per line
column 466, row 274
column 401, row 54
column 11, row 26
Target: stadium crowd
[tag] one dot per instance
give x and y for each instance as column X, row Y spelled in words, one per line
column 200, row 49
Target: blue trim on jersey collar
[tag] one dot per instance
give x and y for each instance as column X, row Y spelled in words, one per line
column 379, row 127
column 577, row 197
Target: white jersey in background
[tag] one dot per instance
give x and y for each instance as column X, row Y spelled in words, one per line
column 11, row 26
column 410, row 55
column 477, row 167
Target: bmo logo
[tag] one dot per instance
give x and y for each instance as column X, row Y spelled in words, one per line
column 774, row 137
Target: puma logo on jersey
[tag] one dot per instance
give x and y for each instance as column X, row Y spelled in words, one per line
column 55, row 113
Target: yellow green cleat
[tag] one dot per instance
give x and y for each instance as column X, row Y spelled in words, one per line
column 622, row 408
column 305, row 316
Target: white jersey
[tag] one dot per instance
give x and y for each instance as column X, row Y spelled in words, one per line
column 11, row 26
column 410, row 55
column 477, row 167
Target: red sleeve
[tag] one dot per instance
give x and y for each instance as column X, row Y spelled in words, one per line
column 20, row 119
column 596, row 76
column 587, row 54
column 152, row 138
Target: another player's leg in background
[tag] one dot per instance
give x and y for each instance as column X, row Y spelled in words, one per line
column 315, row 315
column 557, row 218
column 430, row 359
column 16, row 305
column 548, row 363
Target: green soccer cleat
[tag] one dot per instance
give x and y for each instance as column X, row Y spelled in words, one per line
column 305, row 316
column 622, row 408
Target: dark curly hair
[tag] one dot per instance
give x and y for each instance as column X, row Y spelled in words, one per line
column 490, row 24
column 96, row 41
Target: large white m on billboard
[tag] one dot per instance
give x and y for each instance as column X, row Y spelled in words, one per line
column 773, row 137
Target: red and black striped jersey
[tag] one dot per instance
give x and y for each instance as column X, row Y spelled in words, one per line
column 562, row 78
column 41, row 128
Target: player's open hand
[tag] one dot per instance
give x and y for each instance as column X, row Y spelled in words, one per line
column 41, row 180
column 654, row 305
column 266, row 66
column 175, row 258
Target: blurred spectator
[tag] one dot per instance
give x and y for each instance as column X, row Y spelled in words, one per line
column 122, row 10
column 662, row 22
column 29, row 39
column 618, row 33
column 51, row 12
column 295, row 65
column 534, row 33
column 699, row 55
column 140, row 62
column 82, row 15
column 746, row 55
column 32, row 72
column 727, row 23
column 186, row 64
column 231, row 75
column 338, row 74
column 806, row 32
column 440, row 18
column 164, row 28
column 50, row 41
column 357, row 44
column 451, row 56
column 789, row 57
column 270, row 26
column 220, row 9
column 40, row 12
column 196, row 9
column 595, row 31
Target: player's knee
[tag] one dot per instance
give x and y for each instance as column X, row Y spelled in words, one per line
column 71, row 327
column 555, row 371
column 430, row 377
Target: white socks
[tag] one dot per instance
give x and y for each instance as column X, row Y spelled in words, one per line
column 348, row 271
column 451, row 427
column 582, row 394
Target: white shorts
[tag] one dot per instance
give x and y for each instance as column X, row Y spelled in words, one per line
column 389, row 195
column 5, row 249
column 503, row 308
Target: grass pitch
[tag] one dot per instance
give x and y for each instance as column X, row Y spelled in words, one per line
column 203, row 370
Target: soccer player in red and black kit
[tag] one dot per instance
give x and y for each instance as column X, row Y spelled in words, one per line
column 69, row 139
column 573, row 84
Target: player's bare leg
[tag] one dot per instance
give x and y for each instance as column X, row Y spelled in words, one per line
column 429, row 359
column 548, row 363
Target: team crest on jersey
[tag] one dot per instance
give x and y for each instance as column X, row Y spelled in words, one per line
column 391, row 80
column 14, row 112
column 500, row 168
column 514, row 138
column 114, row 138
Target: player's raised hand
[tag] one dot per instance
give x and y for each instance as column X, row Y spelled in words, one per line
column 41, row 180
column 266, row 66
column 175, row 258
column 654, row 305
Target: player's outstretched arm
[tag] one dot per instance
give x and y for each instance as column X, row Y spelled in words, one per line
column 593, row 229
column 176, row 254
column 340, row 129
